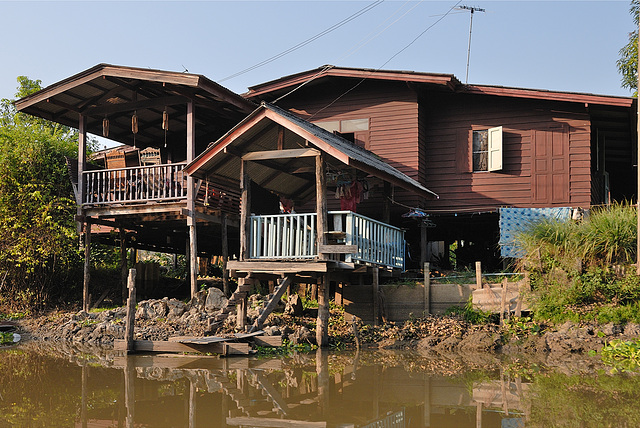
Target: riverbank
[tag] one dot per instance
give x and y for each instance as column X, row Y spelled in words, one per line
column 164, row 318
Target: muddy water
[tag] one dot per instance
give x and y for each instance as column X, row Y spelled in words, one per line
column 40, row 387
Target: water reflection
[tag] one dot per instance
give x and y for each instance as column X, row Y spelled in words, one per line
column 41, row 388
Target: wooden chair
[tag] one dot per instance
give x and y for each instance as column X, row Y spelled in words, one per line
column 150, row 156
column 116, row 160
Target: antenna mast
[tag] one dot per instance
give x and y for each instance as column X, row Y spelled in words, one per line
column 472, row 10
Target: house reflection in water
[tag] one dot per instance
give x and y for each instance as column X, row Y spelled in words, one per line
column 328, row 391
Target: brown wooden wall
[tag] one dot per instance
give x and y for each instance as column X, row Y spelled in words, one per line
column 529, row 128
column 392, row 110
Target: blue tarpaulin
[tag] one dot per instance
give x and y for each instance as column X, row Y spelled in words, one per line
column 513, row 220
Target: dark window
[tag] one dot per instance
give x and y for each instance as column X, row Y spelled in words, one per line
column 481, row 150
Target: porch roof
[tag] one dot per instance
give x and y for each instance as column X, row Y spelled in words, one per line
column 281, row 147
column 115, row 92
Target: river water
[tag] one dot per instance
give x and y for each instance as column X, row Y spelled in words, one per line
column 42, row 387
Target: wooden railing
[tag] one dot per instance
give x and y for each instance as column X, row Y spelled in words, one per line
column 283, row 236
column 293, row 237
column 135, row 184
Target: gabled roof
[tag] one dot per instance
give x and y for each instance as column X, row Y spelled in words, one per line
column 115, row 92
column 277, row 87
column 288, row 176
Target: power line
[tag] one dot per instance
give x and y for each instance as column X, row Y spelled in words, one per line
column 387, row 61
column 307, row 41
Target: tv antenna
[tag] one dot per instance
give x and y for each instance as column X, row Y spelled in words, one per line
column 472, row 10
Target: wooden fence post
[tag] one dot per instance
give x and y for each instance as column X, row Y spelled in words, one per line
column 131, row 311
column 427, row 288
column 503, row 302
column 478, row 275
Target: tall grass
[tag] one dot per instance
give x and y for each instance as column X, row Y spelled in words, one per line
column 577, row 267
column 607, row 237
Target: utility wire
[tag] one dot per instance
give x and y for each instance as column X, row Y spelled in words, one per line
column 387, row 61
column 306, row 42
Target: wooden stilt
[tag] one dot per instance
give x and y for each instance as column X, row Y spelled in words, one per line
column 322, row 324
column 131, row 311
column 87, row 265
column 192, row 404
column 123, row 263
column 427, row 288
column 423, row 244
column 245, row 213
column 193, row 259
column 321, row 204
column 225, row 255
column 376, row 300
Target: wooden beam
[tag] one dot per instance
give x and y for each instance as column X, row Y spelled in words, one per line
column 280, row 154
column 191, row 197
column 225, row 348
column 280, row 144
column 276, row 267
column 338, row 249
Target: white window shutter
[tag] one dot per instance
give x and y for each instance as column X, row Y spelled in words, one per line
column 495, row 148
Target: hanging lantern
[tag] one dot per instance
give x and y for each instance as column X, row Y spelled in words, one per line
column 165, row 120
column 134, row 123
column 105, row 127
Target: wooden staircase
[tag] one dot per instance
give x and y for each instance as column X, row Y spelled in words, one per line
column 243, row 288
column 268, row 305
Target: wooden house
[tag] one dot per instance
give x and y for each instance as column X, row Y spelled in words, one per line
column 481, row 148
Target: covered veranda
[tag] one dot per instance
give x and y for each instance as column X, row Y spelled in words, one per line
column 164, row 120
column 272, row 152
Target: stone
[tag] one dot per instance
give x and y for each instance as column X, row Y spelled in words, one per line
column 198, row 301
column 301, row 336
column 176, row 308
column 272, row 331
column 215, row 300
column 294, row 306
column 158, row 308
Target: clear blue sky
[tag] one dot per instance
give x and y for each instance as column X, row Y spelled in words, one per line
column 568, row 46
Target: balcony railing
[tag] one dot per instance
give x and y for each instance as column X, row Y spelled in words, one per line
column 293, row 237
column 135, row 184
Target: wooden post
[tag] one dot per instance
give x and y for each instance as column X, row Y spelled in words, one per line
column 83, row 409
column 225, row 255
column 87, row 266
column 82, row 157
column 322, row 324
column 245, row 213
column 638, row 162
column 131, row 311
column 427, row 288
column 376, row 289
column 503, row 301
column 123, row 263
column 191, row 198
column 321, row 204
column 478, row 275
column 423, row 244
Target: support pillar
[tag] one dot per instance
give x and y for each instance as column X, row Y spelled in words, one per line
column 245, row 213
column 225, row 255
column 423, row 244
column 123, row 263
column 321, row 203
column 322, row 324
column 86, row 299
column 191, row 205
column 376, row 291
column 131, row 312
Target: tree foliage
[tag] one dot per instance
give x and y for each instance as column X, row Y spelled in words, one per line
column 38, row 239
column 628, row 62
